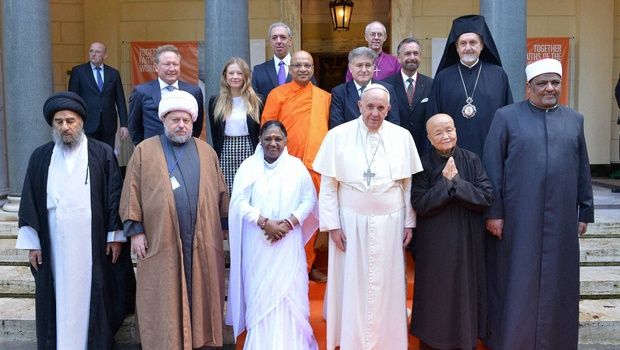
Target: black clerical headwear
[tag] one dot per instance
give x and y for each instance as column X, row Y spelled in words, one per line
column 62, row 101
column 469, row 24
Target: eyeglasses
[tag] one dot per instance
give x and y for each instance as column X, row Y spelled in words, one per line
column 299, row 65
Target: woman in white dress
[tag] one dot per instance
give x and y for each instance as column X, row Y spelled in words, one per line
column 272, row 214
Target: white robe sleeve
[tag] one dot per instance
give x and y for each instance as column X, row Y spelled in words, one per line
column 307, row 200
column 410, row 219
column 247, row 211
column 116, row 236
column 28, row 238
column 329, row 207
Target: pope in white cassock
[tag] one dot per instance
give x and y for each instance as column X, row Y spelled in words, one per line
column 366, row 166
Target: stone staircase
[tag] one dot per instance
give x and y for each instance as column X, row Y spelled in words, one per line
column 600, row 285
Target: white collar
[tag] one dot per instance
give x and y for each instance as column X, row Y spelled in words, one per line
column 358, row 86
column 163, row 84
column 405, row 77
column 286, row 59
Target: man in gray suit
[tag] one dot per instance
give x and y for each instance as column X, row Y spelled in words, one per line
column 102, row 89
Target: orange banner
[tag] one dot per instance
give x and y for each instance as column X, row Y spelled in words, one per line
column 143, row 60
column 558, row 48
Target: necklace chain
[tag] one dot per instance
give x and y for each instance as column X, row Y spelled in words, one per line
column 368, row 174
column 470, row 99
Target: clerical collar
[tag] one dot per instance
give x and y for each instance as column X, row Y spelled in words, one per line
column 543, row 108
column 472, row 66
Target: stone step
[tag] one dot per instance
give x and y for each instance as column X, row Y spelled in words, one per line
column 9, row 255
column 599, row 282
column 17, row 281
column 596, row 282
column 598, row 251
column 599, row 322
column 17, row 323
column 8, row 229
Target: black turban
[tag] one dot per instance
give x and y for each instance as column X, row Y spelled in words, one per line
column 62, row 101
column 469, row 24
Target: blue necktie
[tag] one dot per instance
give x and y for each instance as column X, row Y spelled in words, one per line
column 281, row 74
column 99, row 79
column 170, row 88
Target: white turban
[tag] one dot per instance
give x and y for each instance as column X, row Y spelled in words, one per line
column 178, row 100
column 546, row 65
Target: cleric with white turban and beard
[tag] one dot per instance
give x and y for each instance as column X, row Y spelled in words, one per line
column 68, row 220
column 173, row 198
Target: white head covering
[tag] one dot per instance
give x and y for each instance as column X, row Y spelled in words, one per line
column 546, row 65
column 375, row 86
column 178, row 100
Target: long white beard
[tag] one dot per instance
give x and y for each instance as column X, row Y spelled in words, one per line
column 70, row 142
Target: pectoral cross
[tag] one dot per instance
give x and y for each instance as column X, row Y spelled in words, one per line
column 368, row 175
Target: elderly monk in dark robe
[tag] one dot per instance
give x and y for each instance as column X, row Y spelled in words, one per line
column 537, row 161
column 304, row 110
column 470, row 83
column 68, row 219
column 173, row 199
column 449, row 197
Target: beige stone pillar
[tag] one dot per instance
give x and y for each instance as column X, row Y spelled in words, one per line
column 594, row 75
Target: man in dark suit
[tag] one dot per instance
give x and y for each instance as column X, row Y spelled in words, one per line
column 344, row 106
column 412, row 114
column 274, row 72
column 144, row 121
column 101, row 88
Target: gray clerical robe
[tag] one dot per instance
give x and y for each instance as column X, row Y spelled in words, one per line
column 538, row 164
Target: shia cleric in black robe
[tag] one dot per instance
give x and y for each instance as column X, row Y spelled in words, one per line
column 113, row 285
column 449, row 308
column 538, row 164
column 491, row 91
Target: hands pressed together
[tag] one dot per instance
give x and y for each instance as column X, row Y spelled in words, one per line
column 275, row 230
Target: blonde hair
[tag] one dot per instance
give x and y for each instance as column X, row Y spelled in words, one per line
column 223, row 106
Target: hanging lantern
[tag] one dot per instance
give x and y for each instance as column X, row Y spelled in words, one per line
column 341, row 14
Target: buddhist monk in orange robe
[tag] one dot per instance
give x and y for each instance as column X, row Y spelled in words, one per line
column 304, row 110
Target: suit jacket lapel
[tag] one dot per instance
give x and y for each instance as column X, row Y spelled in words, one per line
column 271, row 72
column 156, row 92
column 90, row 76
column 401, row 92
column 352, row 96
column 419, row 91
column 107, row 77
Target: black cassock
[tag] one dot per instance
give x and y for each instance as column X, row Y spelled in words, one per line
column 113, row 285
column 450, row 283
column 448, row 96
column 538, row 164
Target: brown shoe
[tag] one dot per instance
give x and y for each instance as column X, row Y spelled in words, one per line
column 317, row 276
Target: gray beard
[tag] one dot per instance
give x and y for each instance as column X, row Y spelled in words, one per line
column 70, row 143
column 177, row 139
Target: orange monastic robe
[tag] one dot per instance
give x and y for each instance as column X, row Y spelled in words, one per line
column 304, row 111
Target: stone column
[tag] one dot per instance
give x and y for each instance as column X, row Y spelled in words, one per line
column 510, row 37
column 227, row 34
column 27, row 78
column 4, row 175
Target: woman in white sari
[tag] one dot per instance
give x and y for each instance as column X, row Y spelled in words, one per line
column 272, row 214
